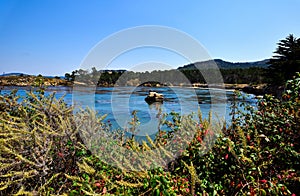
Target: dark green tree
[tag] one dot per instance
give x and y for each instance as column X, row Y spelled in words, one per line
column 68, row 77
column 286, row 60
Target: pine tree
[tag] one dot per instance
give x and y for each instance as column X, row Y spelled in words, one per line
column 286, row 60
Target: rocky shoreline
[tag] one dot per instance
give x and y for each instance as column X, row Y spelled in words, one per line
column 26, row 81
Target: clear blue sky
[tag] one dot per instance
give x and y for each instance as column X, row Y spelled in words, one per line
column 52, row 37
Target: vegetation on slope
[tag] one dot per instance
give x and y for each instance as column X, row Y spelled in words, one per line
column 27, row 80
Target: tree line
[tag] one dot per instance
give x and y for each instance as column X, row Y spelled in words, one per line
column 282, row 66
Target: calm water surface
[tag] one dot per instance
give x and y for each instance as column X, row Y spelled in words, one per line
column 119, row 102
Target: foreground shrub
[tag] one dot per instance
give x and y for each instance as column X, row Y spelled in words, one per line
column 38, row 144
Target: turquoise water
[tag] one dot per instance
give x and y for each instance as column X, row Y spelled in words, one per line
column 119, row 102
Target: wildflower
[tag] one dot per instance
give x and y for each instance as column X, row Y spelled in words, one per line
column 232, row 183
column 248, row 138
column 104, row 190
column 226, row 156
column 206, row 131
column 60, row 154
column 263, row 181
column 199, row 139
column 97, row 184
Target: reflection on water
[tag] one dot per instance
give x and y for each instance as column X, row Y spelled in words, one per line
column 156, row 106
column 119, row 102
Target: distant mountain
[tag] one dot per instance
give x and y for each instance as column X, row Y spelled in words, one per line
column 14, row 74
column 226, row 65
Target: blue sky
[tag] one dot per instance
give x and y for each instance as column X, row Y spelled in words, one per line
column 52, row 37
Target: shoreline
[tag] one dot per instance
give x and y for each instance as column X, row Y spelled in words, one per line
column 256, row 90
column 31, row 82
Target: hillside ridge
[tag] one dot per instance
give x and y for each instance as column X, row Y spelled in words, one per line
column 226, row 64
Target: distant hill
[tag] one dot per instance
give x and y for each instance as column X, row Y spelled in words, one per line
column 23, row 74
column 14, row 74
column 226, row 65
